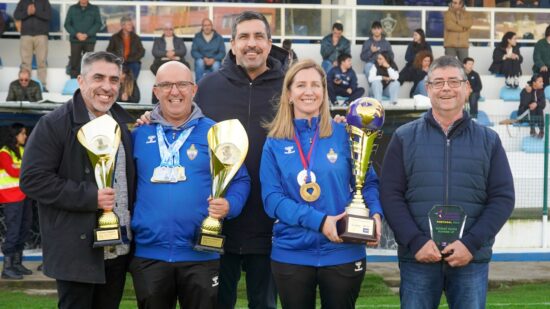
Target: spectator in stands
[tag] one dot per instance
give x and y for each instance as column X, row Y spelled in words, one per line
column 418, row 73
column 541, row 57
column 334, row 44
column 17, row 209
column 35, row 18
column 457, row 23
column 374, row 46
column 525, row 3
column 129, row 91
column 532, row 98
column 507, row 60
column 342, row 81
column 475, row 85
column 417, row 45
column 416, row 176
column 24, row 88
column 287, row 45
column 208, row 50
column 2, row 24
column 383, row 78
column 82, row 23
column 127, row 45
column 168, row 47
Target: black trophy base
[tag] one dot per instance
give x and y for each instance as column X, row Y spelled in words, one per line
column 356, row 229
column 104, row 237
column 210, row 243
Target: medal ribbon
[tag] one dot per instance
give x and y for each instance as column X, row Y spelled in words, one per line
column 306, row 162
column 170, row 155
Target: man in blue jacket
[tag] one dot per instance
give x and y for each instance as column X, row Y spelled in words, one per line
column 445, row 159
column 208, row 50
column 169, row 210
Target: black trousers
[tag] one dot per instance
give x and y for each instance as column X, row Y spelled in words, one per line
column 18, row 219
column 339, row 285
column 473, row 100
column 260, row 287
column 95, row 296
column 160, row 284
column 77, row 50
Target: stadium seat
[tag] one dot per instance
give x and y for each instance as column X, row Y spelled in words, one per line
column 483, row 119
column 531, row 144
column 39, row 83
column 510, row 94
column 70, row 87
column 513, row 116
column 547, row 92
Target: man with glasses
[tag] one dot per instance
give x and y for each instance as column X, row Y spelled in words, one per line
column 168, row 47
column 24, row 88
column 173, row 198
column 444, row 161
column 456, row 36
column 208, row 50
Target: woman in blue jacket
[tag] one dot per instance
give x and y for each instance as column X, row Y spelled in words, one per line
column 307, row 251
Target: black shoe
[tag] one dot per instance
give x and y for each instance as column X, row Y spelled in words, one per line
column 39, row 268
column 533, row 133
column 44, row 89
column 541, row 134
column 17, row 264
column 8, row 271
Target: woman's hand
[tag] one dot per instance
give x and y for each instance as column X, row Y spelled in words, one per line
column 329, row 228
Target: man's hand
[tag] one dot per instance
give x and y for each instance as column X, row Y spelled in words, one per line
column 459, row 254
column 374, row 48
column 532, row 106
column 349, row 91
column 329, row 228
column 170, row 54
column 544, row 68
column 378, row 227
column 106, row 198
column 218, row 208
column 208, row 61
column 81, row 36
column 429, row 253
column 144, row 119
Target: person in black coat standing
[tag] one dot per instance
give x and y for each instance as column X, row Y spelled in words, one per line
column 57, row 173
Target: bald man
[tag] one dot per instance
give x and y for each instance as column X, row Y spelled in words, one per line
column 170, row 207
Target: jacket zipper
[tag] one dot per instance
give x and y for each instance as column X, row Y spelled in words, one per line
column 249, row 103
column 447, row 159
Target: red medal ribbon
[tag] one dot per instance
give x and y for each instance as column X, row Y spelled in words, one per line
column 306, row 162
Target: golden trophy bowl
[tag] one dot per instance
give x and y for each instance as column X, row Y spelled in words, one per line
column 228, row 145
column 365, row 117
column 101, row 138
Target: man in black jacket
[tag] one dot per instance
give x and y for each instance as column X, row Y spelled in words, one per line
column 127, row 37
column 35, row 19
column 246, row 88
column 57, row 173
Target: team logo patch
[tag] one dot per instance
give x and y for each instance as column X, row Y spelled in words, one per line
column 151, row 139
column 215, row 281
column 192, row 152
column 332, row 156
column 359, row 266
column 289, row 150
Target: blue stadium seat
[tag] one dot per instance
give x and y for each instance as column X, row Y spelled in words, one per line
column 531, row 144
column 70, row 87
column 510, row 94
column 39, row 83
column 513, row 116
column 483, row 119
column 547, row 92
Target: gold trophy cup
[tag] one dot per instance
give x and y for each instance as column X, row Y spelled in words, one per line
column 228, row 144
column 101, row 138
column 365, row 117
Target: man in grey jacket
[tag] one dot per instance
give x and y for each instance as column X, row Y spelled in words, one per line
column 35, row 19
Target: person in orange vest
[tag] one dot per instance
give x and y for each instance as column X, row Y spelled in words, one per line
column 17, row 212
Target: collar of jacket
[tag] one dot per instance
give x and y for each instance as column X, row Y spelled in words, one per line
column 458, row 125
column 302, row 125
column 80, row 112
column 232, row 71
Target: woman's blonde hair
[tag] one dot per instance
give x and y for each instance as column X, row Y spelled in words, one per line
column 282, row 125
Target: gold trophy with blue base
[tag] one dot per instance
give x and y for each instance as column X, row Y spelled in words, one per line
column 101, row 138
column 228, row 146
column 365, row 117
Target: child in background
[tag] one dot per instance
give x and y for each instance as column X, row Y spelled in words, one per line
column 342, row 81
column 475, row 84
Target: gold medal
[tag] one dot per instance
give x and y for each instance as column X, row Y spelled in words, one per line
column 310, row 196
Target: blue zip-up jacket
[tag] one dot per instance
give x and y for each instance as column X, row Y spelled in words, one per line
column 213, row 49
column 348, row 78
column 167, row 216
column 296, row 234
column 467, row 167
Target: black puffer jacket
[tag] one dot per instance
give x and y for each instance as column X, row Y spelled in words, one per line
column 227, row 94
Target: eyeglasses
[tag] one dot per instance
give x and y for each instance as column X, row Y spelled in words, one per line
column 453, row 83
column 23, row 80
column 181, row 86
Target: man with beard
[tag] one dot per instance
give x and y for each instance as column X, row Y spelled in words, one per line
column 57, row 173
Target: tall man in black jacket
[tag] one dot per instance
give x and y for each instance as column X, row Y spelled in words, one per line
column 57, row 173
